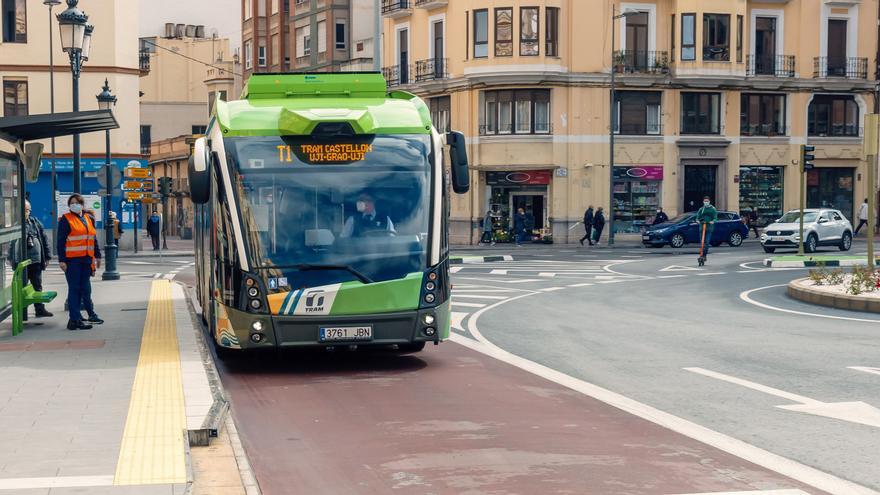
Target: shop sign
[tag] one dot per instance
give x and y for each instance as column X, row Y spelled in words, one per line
column 648, row 172
column 518, row 178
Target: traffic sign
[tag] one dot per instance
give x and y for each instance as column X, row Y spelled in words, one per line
column 131, row 185
column 151, row 200
column 137, row 173
column 133, row 195
column 115, row 176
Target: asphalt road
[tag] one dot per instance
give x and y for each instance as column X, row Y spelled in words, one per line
column 646, row 325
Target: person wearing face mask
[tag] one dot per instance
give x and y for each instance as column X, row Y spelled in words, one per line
column 707, row 216
column 367, row 219
column 78, row 256
column 660, row 217
column 36, row 250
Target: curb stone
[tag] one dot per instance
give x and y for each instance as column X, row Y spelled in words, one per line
column 797, row 289
column 812, row 263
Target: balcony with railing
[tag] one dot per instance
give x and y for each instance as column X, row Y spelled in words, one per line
column 431, row 4
column 397, row 8
column 843, row 67
column 770, row 65
column 397, row 75
column 431, row 69
column 641, row 62
column 144, row 58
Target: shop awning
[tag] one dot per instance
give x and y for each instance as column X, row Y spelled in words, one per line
column 48, row 125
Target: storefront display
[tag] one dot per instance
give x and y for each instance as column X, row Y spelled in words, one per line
column 528, row 190
column 831, row 188
column 761, row 188
column 636, row 197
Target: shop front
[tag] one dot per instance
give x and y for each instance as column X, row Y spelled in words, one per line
column 829, row 187
column 761, row 189
column 636, row 196
column 509, row 191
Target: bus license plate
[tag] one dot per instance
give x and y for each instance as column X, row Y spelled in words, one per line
column 346, row 333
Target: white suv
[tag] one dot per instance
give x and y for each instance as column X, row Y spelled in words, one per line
column 822, row 227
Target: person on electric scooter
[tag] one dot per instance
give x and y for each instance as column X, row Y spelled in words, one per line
column 706, row 217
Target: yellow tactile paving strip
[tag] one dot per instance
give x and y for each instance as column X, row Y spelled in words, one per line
column 152, row 446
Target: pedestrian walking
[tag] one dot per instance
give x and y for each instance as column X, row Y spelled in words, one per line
column 588, row 226
column 154, row 228
column 753, row 222
column 36, row 250
column 863, row 216
column 598, row 225
column 486, row 237
column 660, row 217
column 707, row 215
column 79, row 256
column 117, row 228
column 519, row 226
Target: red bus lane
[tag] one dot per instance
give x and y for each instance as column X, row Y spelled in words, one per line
column 450, row 420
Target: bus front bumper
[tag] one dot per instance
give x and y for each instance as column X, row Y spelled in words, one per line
column 385, row 329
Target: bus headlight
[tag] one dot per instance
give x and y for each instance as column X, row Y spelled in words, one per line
column 253, row 291
column 430, row 331
column 257, row 326
column 430, row 286
column 429, row 298
column 255, row 304
column 428, row 319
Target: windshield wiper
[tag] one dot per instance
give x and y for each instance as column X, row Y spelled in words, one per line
column 311, row 267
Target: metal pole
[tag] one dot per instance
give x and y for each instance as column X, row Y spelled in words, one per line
column 52, row 110
column 110, row 247
column 803, row 199
column 611, row 139
column 377, row 36
column 134, row 209
column 75, row 65
column 872, row 196
column 165, row 219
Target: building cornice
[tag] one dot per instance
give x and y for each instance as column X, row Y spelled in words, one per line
column 103, row 69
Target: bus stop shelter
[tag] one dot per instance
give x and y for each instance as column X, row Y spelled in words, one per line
column 17, row 166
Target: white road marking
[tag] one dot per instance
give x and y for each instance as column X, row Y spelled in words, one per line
column 134, row 262
column 711, row 273
column 786, row 467
column 608, row 281
column 866, row 369
column 671, row 276
column 746, row 296
column 157, row 275
column 793, row 491
column 469, row 291
column 854, row 412
column 581, row 285
column 502, row 281
column 455, row 269
column 546, row 274
column 456, row 320
column 169, row 276
column 679, row 268
column 478, row 296
column 55, row 482
column 498, row 272
column 467, row 305
column 551, row 289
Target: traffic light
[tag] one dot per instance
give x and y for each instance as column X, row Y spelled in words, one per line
column 165, row 186
column 807, row 157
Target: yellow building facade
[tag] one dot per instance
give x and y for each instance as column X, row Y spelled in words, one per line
column 714, row 98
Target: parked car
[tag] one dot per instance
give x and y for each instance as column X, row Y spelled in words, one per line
column 822, row 227
column 684, row 229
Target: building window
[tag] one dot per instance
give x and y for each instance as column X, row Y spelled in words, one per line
column 700, row 113
column 638, row 113
column 340, row 34
column 504, row 32
column 248, row 55
column 322, row 36
column 833, row 115
column 762, row 115
column 276, row 50
column 274, row 7
column 248, row 9
column 303, row 41
column 261, row 56
column 145, row 139
column 552, row 20
column 716, row 37
column 524, row 111
column 15, row 98
column 199, row 129
column 739, row 39
column 261, row 8
column 14, row 21
column 528, row 31
column 481, row 33
column 672, row 38
column 688, row 36
column 440, row 114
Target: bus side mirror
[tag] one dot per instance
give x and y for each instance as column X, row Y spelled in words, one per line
column 199, row 173
column 461, row 183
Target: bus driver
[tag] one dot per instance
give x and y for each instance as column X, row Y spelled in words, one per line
column 367, row 220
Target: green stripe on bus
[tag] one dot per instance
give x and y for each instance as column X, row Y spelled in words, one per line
column 379, row 297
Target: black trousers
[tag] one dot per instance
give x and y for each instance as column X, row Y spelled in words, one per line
column 862, row 223
column 597, row 233
column 155, row 239
column 589, row 232
column 486, row 238
column 34, row 274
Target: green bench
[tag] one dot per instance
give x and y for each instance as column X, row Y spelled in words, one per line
column 25, row 295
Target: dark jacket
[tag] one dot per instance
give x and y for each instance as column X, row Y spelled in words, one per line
column 588, row 217
column 154, row 227
column 63, row 232
column 660, row 218
column 37, row 245
column 519, row 223
column 599, row 220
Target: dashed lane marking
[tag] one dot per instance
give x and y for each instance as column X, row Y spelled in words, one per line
column 586, row 284
column 498, row 272
column 476, row 296
column 500, row 280
column 467, row 305
column 551, row 289
column 671, row 276
column 866, row 369
column 711, row 273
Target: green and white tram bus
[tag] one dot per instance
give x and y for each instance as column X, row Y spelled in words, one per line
column 321, row 215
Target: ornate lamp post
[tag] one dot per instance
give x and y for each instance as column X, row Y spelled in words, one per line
column 106, row 101
column 76, row 34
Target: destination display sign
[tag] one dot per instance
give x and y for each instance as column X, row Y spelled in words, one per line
column 317, row 153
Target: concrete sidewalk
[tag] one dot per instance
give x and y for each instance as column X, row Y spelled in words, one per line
column 175, row 247
column 107, row 410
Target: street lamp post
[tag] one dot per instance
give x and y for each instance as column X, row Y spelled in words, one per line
column 51, row 4
column 76, row 34
column 614, row 17
column 106, row 101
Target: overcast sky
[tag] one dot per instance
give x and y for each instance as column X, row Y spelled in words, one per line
column 222, row 16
